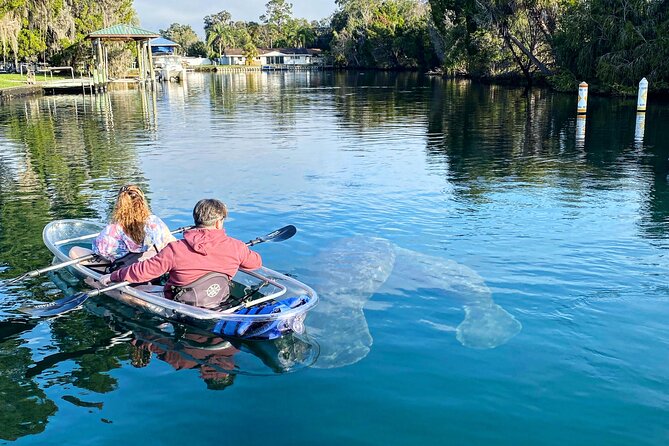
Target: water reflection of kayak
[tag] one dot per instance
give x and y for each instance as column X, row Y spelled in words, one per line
column 218, row 359
column 286, row 306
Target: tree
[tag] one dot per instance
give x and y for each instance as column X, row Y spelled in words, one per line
column 181, row 34
column 250, row 53
column 276, row 18
column 221, row 37
column 381, row 34
column 222, row 17
column 616, row 42
column 10, row 27
column 198, row 49
column 306, row 34
column 278, row 13
column 56, row 29
column 255, row 31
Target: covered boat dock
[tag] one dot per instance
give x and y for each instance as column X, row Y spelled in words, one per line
column 121, row 33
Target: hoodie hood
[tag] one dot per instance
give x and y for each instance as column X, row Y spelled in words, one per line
column 202, row 240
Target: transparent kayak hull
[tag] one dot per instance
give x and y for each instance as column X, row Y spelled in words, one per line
column 60, row 236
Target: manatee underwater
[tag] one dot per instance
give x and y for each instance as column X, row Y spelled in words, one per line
column 439, row 282
column 349, row 272
column 346, row 275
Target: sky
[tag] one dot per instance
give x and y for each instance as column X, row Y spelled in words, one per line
column 154, row 15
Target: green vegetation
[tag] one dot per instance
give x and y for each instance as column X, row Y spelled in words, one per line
column 382, row 34
column 55, row 30
column 16, row 80
column 11, row 80
column 185, row 36
column 610, row 44
column 277, row 29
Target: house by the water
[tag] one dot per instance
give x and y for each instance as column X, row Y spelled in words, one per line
column 274, row 57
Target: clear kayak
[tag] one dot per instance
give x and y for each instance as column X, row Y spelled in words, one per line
column 265, row 304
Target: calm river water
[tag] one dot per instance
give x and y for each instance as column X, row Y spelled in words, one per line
column 488, row 274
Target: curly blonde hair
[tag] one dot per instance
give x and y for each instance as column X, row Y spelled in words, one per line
column 131, row 211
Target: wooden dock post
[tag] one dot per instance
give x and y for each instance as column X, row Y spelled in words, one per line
column 582, row 98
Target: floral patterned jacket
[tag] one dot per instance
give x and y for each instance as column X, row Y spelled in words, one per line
column 114, row 243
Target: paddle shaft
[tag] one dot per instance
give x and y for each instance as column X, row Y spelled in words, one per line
column 109, row 288
column 38, row 272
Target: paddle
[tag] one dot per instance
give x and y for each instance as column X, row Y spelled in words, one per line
column 71, row 302
column 38, row 272
column 276, row 236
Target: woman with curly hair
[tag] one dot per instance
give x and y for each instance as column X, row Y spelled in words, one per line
column 133, row 230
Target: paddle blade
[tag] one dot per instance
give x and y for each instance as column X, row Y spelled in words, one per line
column 281, row 234
column 13, row 281
column 276, row 236
column 56, row 307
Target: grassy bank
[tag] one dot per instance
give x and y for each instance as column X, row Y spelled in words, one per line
column 19, row 80
column 12, row 80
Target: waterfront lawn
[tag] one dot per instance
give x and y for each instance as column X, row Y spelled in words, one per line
column 12, row 80
column 17, row 80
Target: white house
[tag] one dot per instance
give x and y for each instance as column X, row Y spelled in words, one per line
column 274, row 56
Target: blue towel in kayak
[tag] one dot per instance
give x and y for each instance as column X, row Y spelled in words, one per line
column 271, row 329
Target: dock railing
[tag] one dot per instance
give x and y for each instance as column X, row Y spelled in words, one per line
column 52, row 69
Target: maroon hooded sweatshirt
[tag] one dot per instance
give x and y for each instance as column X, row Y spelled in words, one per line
column 200, row 252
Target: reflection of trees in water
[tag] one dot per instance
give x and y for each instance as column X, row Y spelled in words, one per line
column 64, row 154
column 484, row 133
column 654, row 157
column 92, row 345
column 81, row 338
column 272, row 95
column 24, row 407
column 369, row 100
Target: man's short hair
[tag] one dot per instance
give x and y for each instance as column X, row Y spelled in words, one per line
column 207, row 211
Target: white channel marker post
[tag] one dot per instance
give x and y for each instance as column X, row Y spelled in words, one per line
column 582, row 97
column 642, row 98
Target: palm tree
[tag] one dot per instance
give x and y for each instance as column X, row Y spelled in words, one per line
column 221, row 36
column 306, row 35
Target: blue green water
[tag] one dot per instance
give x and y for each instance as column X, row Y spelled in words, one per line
column 488, row 275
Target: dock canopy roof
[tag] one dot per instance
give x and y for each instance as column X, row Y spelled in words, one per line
column 162, row 45
column 123, row 33
column 161, row 41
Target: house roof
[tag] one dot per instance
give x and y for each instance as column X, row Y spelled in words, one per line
column 161, row 41
column 233, row 52
column 276, row 51
column 122, row 32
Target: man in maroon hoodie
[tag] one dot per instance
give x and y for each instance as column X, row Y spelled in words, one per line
column 203, row 250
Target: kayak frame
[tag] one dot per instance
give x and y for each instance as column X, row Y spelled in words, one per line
column 156, row 304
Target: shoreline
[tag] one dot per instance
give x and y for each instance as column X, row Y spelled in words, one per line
column 20, row 91
column 507, row 80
